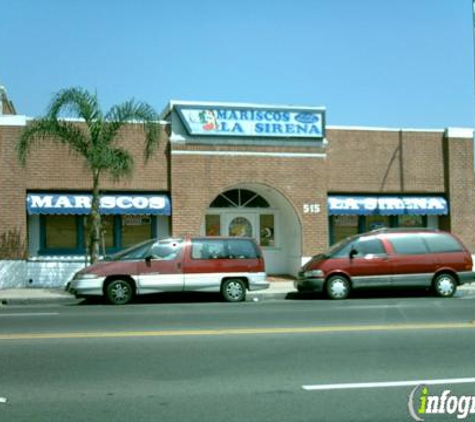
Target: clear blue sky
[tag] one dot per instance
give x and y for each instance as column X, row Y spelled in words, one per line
column 385, row 63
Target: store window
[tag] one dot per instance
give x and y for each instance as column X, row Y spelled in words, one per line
column 61, row 231
column 67, row 234
column 344, row 226
column 135, row 229
column 213, row 225
column 267, row 226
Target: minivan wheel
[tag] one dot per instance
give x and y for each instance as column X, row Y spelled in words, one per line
column 233, row 290
column 338, row 287
column 445, row 285
column 119, row 292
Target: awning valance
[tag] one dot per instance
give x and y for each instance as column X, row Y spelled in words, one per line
column 59, row 203
column 387, row 205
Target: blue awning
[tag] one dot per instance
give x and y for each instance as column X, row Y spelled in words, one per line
column 387, row 205
column 136, row 204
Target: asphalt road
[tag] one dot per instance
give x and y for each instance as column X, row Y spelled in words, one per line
column 264, row 361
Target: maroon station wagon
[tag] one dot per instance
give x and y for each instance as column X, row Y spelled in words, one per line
column 389, row 258
column 226, row 265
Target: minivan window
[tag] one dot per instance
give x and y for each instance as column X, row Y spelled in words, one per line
column 241, row 248
column 165, row 250
column 223, row 249
column 208, row 249
column 369, row 246
column 408, row 244
column 442, row 242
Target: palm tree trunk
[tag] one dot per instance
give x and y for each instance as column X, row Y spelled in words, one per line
column 95, row 228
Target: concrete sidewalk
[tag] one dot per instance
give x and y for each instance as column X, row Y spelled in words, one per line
column 278, row 289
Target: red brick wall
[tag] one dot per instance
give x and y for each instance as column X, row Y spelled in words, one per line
column 371, row 161
column 198, row 179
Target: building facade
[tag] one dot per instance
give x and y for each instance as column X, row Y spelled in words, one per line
column 275, row 173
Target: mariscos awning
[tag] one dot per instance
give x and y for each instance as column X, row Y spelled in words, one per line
column 59, row 203
column 387, row 205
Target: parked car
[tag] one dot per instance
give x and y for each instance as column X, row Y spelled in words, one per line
column 389, row 258
column 225, row 265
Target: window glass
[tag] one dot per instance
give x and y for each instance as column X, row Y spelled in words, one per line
column 60, row 231
column 267, row 230
column 240, row 227
column 411, row 221
column 135, row 229
column 208, row 249
column 408, row 244
column 369, row 246
column 375, row 222
column 134, row 252
column 213, row 225
column 165, row 250
column 341, row 250
column 344, row 226
column 241, row 249
column 442, row 242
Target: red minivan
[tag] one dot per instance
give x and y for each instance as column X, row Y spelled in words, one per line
column 389, row 258
column 213, row 264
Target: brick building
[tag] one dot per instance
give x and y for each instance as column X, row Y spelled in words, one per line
column 274, row 173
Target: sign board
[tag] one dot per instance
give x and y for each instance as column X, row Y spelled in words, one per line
column 387, row 205
column 58, row 203
column 253, row 122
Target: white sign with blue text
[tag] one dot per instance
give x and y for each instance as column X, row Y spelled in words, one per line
column 253, row 122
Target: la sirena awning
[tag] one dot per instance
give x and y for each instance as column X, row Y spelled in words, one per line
column 387, row 205
column 61, row 203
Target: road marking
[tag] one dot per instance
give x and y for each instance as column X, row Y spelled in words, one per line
column 30, row 314
column 241, row 331
column 387, row 384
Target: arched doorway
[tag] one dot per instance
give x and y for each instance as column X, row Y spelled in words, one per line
column 262, row 213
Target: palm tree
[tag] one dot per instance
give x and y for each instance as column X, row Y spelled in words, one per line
column 95, row 140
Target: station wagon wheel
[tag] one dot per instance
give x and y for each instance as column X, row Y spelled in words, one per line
column 119, row 292
column 338, row 287
column 445, row 285
column 233, row 290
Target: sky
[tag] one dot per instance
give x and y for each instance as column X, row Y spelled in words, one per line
column 381, row 63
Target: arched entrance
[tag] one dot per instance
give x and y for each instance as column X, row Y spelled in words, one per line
column 262, row 213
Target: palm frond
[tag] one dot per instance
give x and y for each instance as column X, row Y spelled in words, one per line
column 61, row 132
column 133, row 112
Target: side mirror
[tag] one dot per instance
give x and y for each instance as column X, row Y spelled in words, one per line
column 353, row 252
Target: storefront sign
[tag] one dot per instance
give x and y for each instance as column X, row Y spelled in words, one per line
column 387, row 205
column 253, row 122
column 51, row 203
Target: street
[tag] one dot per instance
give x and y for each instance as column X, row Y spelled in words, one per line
column 270, row 360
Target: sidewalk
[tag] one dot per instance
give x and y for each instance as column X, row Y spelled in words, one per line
column 280, row 288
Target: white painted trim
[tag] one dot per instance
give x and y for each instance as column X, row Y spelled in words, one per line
column 385, row 129
column 457, row 132
column 252, row 154
column 388, row 384
column 12, row 120
column 171, row 105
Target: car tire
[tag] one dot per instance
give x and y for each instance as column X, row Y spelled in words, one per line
column 338, row 287
column 119, row 292
column 445, row 285
column 233, row 290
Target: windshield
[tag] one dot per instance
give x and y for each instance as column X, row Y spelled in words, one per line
column 337, row 247
column 134, row 252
